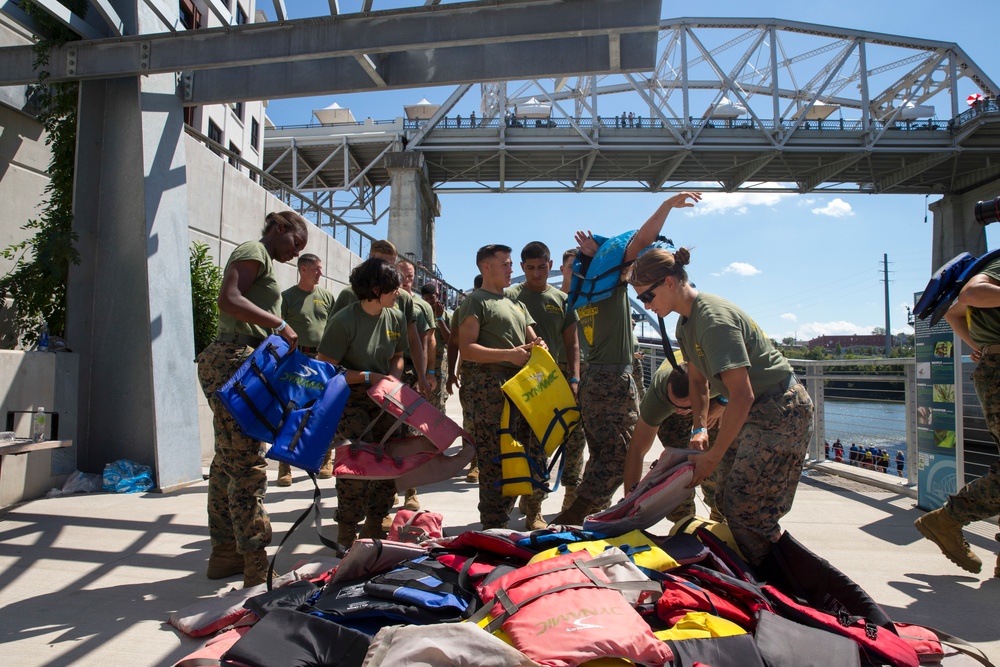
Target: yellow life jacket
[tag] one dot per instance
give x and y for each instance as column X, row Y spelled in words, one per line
column 642, row 550
column 699, row 625
column 690, row 524
column 542, row 395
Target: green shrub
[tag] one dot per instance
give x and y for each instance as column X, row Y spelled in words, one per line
column 206, row 279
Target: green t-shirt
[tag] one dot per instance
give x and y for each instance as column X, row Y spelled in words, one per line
column 439, row 345
column 306, row 312
column 404, row 302
column 425, row 318
column 656, row 405
column 264, row 291
column 719, row 336
column 361, row 342
column 503, row 323
column 548, row 310
column 607, row 327
column 984, row 323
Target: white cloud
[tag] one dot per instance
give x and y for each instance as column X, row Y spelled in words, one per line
column 741, row 269
column 736, row 203
column 790, row 317
column 838, row 208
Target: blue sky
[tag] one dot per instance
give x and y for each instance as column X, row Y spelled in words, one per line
column 800, row 265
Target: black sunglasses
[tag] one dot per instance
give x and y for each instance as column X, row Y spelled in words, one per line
column 648, row 296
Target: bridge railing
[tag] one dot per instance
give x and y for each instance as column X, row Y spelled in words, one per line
column 871, row 402
column 647, row 123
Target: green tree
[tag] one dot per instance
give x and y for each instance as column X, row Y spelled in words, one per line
column 878, row 331
column 206, row 279
column 37, row 281
column 837, row 350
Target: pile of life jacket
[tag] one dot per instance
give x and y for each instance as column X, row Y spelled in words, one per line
column 563, row 597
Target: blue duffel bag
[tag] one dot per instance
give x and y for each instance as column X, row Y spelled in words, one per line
column 287, row 399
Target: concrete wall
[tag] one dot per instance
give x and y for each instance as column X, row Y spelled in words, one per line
column 29, row 380
column 226, row 209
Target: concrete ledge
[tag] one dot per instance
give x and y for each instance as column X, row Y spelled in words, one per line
column 878, row 479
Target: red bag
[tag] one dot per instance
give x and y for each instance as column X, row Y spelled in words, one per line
column 415, row 527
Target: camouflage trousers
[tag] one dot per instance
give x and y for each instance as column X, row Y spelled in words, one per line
column 675, row 431
column 237, row 478
column 358, row 498
column 640, row 378
column 609, row 403
column 440, row 395
column 757, row 477
column 980, row 498
column 482, row 396
column 573, row 451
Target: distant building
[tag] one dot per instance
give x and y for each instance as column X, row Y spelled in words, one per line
column 238, row 126
column 849, row 342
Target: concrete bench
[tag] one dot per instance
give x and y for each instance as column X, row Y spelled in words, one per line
column 24, row 446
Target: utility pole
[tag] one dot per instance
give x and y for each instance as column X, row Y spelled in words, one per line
column 888, row 331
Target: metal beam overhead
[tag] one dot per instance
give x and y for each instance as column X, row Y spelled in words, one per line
column 466, row 30
column 279, row 10
column 22, row 18
column 74, row 22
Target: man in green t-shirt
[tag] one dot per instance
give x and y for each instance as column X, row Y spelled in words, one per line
column 975, row 317
column 495, row 338
column 556, row 324
column 305, row 307
column 608, row 395
column 442, row 334
column 425, row 334
column 468, row 418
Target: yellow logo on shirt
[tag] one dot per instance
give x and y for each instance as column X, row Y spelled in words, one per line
column 552, row 308
column 698, row 350
column 392, row 335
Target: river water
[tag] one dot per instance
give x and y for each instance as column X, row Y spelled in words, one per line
column 869, row 423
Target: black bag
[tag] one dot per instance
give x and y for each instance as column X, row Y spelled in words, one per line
column 286, row 638
column 799, row 573
column 287, row 597
column 785, row 643
column 734, row 651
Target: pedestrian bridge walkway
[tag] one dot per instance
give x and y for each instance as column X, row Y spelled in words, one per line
column 92, row 579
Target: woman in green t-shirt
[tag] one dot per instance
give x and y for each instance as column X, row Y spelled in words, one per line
column 367, row 338
column 764, row 432
column 249, row 304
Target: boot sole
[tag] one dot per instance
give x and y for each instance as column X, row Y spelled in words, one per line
column 933, row 538
column 282, row 482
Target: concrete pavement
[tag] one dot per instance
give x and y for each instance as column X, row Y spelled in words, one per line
column 91, row 579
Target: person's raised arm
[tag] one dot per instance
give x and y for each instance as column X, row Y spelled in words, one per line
column 654, row 225
column 981, row 291
column 955, row 317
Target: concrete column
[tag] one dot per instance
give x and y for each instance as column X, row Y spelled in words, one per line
column 129, row 314
column 412, row 206
column 955, row 226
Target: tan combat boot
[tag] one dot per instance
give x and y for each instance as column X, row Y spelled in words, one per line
column 944, row 530
column 346, row 534
column 412, row 502
column 225, row 561
column 284, row 474
column 326, row 470
column 574, row 514
column 569, row 497
column 255, row 568
column 532, row 508
column 372, row 529
column 473, row 476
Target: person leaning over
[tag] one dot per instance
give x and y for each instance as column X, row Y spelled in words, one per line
column 608, row 395
column 249, row 306
column 556, row 324
column 764, row 432
column 367, row 338
column 975, row 317
column 665, row 412
column 496, row 337
column 305, row 307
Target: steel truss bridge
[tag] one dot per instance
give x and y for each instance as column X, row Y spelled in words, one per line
column 826, row 110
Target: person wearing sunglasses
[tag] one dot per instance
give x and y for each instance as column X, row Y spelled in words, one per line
column 665, row 413
column 608, row 396
column 764, row 432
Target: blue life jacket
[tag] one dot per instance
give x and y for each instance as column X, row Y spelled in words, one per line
column 598, row 280
column 943, row 287
column 289, row 400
